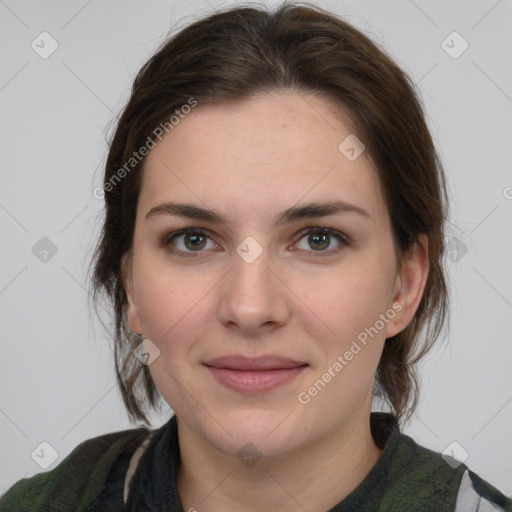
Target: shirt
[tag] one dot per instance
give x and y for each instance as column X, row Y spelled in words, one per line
column 136, row 470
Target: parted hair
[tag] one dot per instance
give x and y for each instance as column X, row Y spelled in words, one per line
column 228, row 57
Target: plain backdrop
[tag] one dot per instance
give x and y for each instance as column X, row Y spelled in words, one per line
column 57, row 380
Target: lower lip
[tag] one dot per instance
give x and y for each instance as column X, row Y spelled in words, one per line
column 255, row 381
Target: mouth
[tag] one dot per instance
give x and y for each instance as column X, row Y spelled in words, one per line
column 254, row 375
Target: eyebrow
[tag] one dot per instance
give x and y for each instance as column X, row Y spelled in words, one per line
column 293, row 214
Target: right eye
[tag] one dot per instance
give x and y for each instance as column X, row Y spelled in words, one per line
column 187, row 241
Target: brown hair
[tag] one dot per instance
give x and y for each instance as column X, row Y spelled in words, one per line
column 233, row 54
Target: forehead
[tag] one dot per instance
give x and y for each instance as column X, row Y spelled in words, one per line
column 260, row 156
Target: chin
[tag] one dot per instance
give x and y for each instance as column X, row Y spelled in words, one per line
column 255, row 432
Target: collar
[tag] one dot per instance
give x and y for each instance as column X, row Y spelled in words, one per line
column 154, row 484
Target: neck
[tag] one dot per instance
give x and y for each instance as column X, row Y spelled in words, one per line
column 315, row 477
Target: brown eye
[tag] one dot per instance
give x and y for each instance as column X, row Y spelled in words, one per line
column 187, row 241
column 194, row 241
column 320, row 239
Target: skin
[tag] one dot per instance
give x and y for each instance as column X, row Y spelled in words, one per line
column 250, row 162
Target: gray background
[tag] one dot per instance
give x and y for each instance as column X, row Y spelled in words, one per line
column 57, row 380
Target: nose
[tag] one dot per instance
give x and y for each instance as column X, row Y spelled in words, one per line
column 253, row 298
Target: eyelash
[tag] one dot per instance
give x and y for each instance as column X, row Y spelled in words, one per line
column 340, row 237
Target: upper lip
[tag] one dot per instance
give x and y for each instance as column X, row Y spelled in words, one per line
column 268, row 362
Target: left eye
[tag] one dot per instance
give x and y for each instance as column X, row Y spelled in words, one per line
column 320, row 239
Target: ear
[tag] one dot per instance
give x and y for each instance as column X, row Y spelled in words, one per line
column 132, row 313
column 409, row 286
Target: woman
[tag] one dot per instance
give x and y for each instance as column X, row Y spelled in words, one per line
column 272, row 248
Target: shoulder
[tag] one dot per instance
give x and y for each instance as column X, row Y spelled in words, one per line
column 476, row 494
column 95, row 466
column 423, row 479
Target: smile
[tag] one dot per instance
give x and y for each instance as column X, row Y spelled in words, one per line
column 254, row 375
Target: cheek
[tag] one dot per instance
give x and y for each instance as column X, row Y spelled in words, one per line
column 171, row 304
column 169, row 301
column 349, row 301
column 351, row 305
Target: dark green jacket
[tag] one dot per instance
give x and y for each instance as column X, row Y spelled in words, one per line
column 95, row 477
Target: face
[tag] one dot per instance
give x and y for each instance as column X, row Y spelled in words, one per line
column 292, row 291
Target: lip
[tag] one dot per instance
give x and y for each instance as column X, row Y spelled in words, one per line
column 254, row 375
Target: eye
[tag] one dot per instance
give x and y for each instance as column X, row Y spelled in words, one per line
column 193, row 240
column 320, row 239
